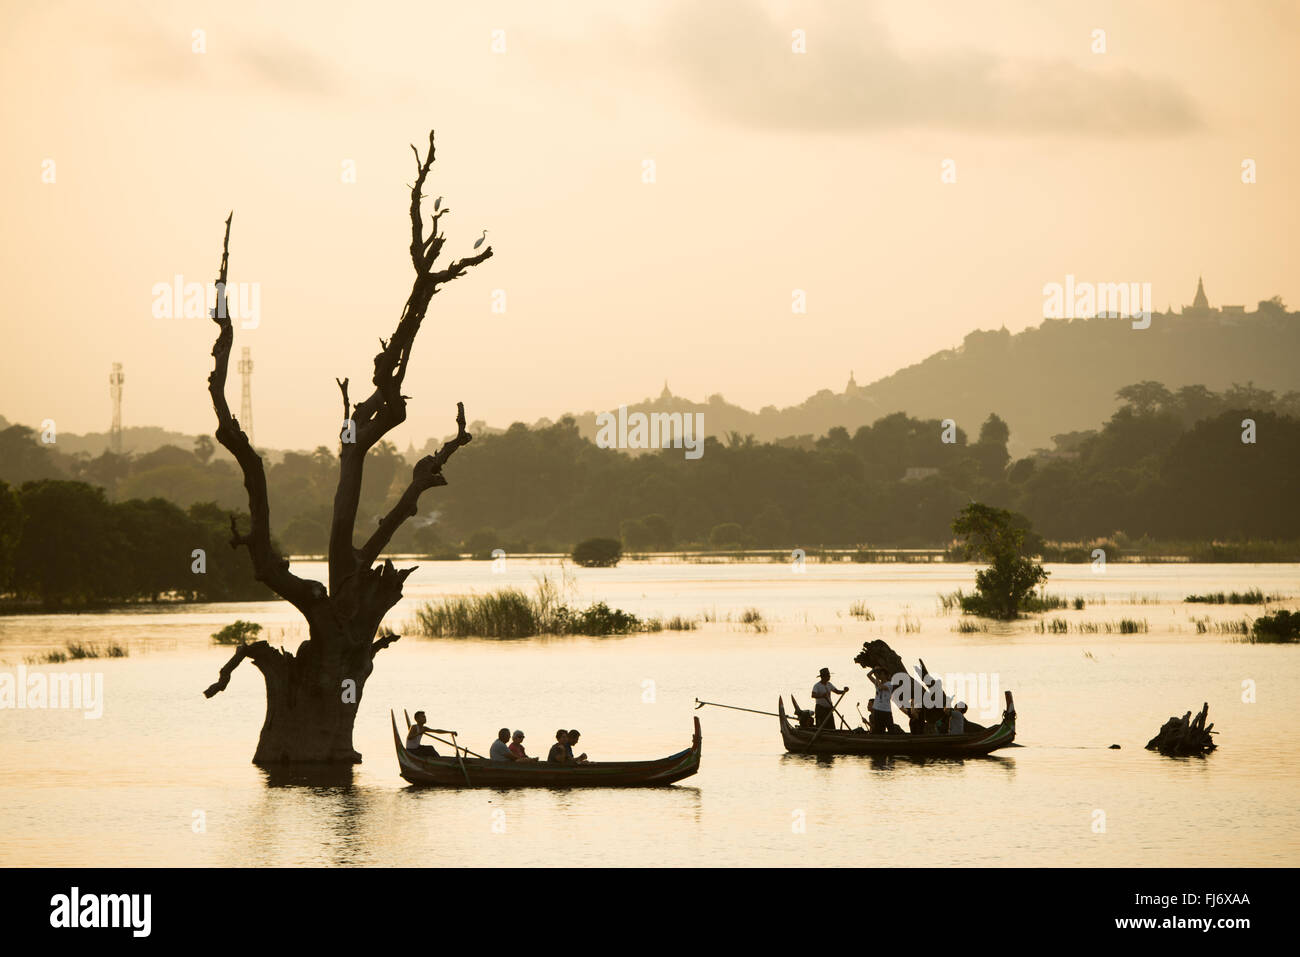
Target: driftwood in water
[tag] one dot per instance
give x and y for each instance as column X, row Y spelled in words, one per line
column 928, row 694
column 1184, row 736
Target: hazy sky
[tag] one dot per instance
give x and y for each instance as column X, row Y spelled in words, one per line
column 774, row 171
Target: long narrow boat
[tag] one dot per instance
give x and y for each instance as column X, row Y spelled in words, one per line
column 461, row 771
column 985, row 741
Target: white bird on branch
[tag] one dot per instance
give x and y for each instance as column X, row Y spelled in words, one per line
column 479, row 242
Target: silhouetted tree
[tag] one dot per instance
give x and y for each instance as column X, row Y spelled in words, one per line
column 11, row 527
column 203, row 448
column 995, row 536
column 312, row 695
column 1144, row 397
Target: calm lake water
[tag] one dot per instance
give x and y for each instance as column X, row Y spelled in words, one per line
column 126, row 788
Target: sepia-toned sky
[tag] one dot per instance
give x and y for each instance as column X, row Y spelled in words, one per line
column 773, row 171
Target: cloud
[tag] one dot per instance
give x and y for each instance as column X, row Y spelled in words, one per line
column 162, row 55
column 737, row 60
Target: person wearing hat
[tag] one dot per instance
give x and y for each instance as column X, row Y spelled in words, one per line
column 823, row 705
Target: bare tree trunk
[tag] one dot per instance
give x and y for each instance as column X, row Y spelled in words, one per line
column 312, row 695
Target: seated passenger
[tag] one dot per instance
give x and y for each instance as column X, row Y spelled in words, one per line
column 559, row 753
column 957, row 718
column 573, row 737
column 500, row 750
column 517, row 747
column 915, row 721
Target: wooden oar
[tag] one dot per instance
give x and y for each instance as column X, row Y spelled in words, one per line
column 452, row 744
column 459, row 759
column 808, row 747
column 434, row 732
column 700, row 704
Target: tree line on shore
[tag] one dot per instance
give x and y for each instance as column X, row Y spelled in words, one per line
column 64, row 545
column 1188, row 466
column 1166, row 467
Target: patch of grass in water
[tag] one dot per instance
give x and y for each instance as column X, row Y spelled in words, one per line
column 1043, row 602
column 1253, row 596
column 859, row 609
column 511, row 613
column 77, row 651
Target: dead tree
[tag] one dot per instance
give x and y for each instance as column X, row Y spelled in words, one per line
column 1181, row 737
column 312, row 695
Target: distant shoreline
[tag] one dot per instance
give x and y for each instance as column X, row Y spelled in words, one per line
column 1208, row 553
column 1075, row 555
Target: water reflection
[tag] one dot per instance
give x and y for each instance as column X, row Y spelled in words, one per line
column 309, row 775
column 153, row 785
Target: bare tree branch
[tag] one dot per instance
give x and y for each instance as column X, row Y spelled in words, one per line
column 262, row 654
column 347, row 408
column 268, row 566
column 427, row 474
column 385, row 408
column 385, row 639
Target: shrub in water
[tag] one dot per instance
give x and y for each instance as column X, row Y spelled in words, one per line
column 598, row 552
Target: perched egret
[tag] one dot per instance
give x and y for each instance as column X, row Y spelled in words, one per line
column 437, row 204
column 479, row 242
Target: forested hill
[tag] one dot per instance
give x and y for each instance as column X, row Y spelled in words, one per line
column 1059, row 377
column 1188, row 465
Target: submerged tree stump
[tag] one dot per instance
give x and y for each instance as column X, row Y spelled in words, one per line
column 1185, row 736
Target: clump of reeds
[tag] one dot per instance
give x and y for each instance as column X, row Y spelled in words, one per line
column 950, row 602
column 675, row 623
column 1036, row 602
column 1136, row 599
column 967, row 627
column 1060, row 626
column 859, row 609
column 77, row 651
column 907, row 625
column 1251, row 597
column 510, row 613
column 1205, row 626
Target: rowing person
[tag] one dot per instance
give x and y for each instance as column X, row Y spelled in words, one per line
column 414, row 744
column 823, row 706
column 500, row 750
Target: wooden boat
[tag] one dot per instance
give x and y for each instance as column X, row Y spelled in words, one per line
column 974, row 744
column 459, row 771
